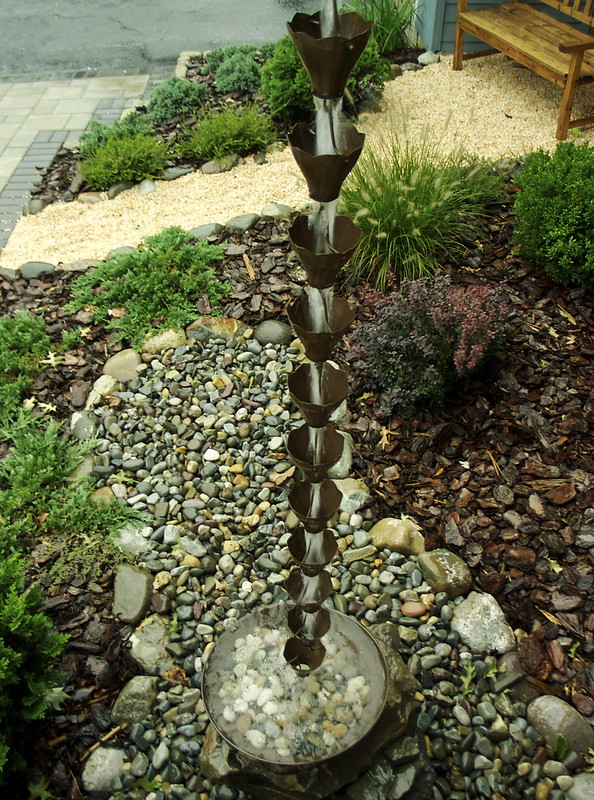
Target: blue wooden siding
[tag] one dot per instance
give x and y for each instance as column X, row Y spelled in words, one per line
column 436, row 23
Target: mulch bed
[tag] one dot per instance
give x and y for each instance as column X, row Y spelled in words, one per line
column 503, row 475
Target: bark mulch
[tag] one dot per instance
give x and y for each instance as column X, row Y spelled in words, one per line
column 503, row 474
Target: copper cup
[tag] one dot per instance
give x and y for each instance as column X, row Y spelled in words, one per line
column 308, row 591
column 304, row 655
column 335, row 388
column 312, row 551
column 300, row 500
column 301, row 451
column 322, row 268
column 329, row 61
column 325, row 174
column 319, row 346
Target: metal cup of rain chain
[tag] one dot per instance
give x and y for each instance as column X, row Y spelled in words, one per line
column 262, row 684
column 322, row 269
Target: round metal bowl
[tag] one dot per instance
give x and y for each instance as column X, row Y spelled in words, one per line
column 352, row 653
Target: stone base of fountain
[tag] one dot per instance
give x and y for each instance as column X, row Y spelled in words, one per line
column 392, row 739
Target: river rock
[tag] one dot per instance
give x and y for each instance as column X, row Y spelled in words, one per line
column 243, row 222
column 445, row 572
column 147, row 186
column 480, row 623
column 206, row 328
column 33, row 269
column 122, row 366
column 117, row 188
column 354, row 494
column 103, row 766
column 164, row 340
column 83, row 425
column 551, row 716
column 343, row 466
column 583, row 787
column 130, row 540
column 148, row 643
column 136, row 700
column 204, row 231
column 132, row 592
column 276, row 211
column 399, row 535
column 103, row 387
column 273, row 331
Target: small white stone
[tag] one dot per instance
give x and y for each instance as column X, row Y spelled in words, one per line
column 256, row 738
column 229, row 715
column 211, row 455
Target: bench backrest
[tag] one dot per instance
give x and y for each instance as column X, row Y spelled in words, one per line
column 582, row 10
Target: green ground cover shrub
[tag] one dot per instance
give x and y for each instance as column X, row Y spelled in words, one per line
column 23, row 344
column 240, row 73
column 175, row 96
column 426, row 338
column 391, row 19
column 286, row 88
column 157, row 286
column 414, row 204
column 38, row 498
column 28, row 651
column 555, row 213
column 229, row 131
column 128, row 159
column 99, row 134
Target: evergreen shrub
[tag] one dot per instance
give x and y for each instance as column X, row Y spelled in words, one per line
column 131, row 158
column 426, row 338
column 99, row 134
column 175, row 97
column 157, row 286
column 23, row 344
column 286, row 88
column 224, row 132
column 28, row 651
column 555, row 213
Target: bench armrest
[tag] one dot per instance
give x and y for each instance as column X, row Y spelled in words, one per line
column 576, row 48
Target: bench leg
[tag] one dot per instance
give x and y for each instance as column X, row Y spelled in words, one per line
column 458, row 47
column 569, row 95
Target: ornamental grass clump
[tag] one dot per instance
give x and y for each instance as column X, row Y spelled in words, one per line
column 392, row 20
column 555, row 213
column 425, row 339
column 220, row 133
column 414, row 205
column 156, row 287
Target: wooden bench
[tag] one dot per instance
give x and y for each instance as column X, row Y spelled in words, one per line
column 553, row 49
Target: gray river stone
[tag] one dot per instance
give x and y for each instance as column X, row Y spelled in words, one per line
column 33, row 269
column 131, row 540
column 276, row 211
column 272, row 331
column 342, row 468
column 136, row 700
column 243, row 222
column 103, row 766
column 122, row 366
column 132, row 592
column 83, row 425
column 481, row 625
column 583, row 787
column 551, row 716
column 354, row 494
column 148, row 643
column 204, row 231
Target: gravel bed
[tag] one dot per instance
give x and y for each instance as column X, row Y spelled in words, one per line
column 202, row 432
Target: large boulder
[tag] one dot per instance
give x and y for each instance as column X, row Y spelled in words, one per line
column 445, row 572
column 480, row 623
column 552, row 716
